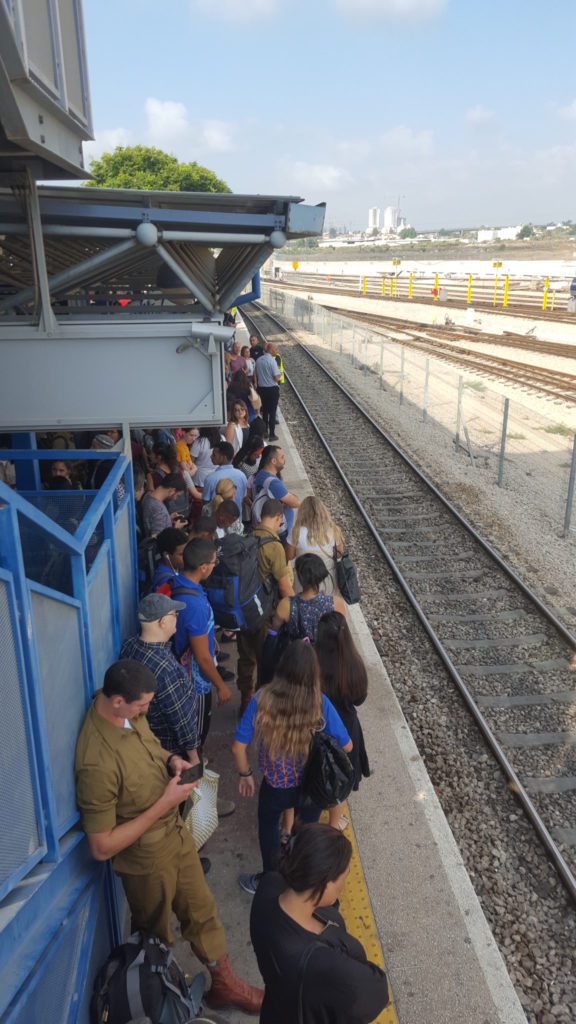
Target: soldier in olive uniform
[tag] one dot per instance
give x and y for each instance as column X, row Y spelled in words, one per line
column 128, row 791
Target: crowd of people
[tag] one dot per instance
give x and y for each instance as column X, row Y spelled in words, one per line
column 140, row 754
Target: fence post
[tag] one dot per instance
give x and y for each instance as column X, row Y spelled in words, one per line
column 459, row 413
column 570, row 496
column 469, row 296
column 410, row 287
column 505, row 299
column 382, row 364
column 503, row 442
column 426, row 380
column 402, row 364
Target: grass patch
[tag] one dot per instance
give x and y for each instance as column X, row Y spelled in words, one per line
column 558, row 428
column 475, row 385
column 484, row 430
column 515, row 437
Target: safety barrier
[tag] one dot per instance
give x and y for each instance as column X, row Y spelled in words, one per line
column 68, row 593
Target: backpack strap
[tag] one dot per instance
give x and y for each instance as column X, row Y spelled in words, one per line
column 302, row 965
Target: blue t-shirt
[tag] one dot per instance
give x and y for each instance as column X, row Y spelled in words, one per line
column 277, row 490
column 196, row 619
column 225, row 473
column 283, row 772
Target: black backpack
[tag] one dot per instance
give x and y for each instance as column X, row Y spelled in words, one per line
column 328, row 775
column 142, row 979
column 240, row 598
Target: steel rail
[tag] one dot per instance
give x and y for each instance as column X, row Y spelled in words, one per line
column 564, row 872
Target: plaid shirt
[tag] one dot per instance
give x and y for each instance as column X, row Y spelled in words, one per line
column 173, row 714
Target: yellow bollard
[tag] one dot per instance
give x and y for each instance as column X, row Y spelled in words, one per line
column 410, row 288
column 391, row 287
column 469, row 297
column 364, row 286
column 436, row 288
column 505, row 299
column 495, row 288
column 545, row 296
column 552, row 303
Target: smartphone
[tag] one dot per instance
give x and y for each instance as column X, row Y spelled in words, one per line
column 191, row 774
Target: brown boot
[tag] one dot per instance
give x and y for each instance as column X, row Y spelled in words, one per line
column 228, row 990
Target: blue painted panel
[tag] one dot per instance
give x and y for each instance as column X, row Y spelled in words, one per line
column 100, row 612
column 126, row 575
column 61, row 671
column 20, row 841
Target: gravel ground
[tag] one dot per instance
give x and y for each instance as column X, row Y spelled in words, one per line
column 522, row 897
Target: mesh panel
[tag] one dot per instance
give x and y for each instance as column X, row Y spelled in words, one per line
column 57, row 631
column 100, row 948
column 45, row 560
column 18, row 832
column 93, row 546
column 51, row 989
column 101, row 622
column 67, row 508
column 125, row 575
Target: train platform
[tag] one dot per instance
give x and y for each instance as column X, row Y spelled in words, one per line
column 408, row 897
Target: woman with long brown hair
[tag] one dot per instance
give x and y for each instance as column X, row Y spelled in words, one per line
column 345, row 682
column 236, row 432
column 283, row 716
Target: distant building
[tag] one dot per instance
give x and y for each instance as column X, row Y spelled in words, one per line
column 498, row 234
column 374, row 218
column 391, row 214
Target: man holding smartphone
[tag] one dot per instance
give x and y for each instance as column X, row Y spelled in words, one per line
column 128, row 789
column 174, row 712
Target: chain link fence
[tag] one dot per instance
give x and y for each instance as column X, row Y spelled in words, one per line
column 460, row 409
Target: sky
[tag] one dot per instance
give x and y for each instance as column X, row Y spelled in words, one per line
column 466, row 109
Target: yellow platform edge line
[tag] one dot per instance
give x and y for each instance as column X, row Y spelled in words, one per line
column 356, row 910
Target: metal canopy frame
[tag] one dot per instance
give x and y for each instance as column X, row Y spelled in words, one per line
column 57, row 241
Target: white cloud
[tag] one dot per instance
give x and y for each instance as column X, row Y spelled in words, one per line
column 236, row 10
column 316, row 177
column 402, row 142
column 169, row 126
column 568, row 113
column 105, row 142
column 479, row 115
column 394, row 10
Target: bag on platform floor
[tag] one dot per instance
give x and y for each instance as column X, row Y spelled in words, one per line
column 240, row 598
column 328, row 774
column 142, row 979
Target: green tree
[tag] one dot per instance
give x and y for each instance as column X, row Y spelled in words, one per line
column 408, row 233
column 526, row 232
column 145, row 167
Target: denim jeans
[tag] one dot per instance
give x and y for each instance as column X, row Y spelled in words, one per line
column 271, row 803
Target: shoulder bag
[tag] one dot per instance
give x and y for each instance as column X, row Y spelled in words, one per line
column 328, row 775
column 346, row 577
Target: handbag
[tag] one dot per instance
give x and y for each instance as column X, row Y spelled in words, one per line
column 328, row 775
column 347, row 577
column 201, row 809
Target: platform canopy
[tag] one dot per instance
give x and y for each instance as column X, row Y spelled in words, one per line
column 104, row 245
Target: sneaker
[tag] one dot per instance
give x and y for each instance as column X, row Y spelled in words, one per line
column 225, row 807
column 206, row 864
column 249, row 883
column 226, row 675
column 273, row 437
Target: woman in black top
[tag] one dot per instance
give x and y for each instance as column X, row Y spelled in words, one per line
column 313, row 971
column 345, row 683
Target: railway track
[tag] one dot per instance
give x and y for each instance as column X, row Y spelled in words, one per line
column 433, row 341
column 511, row 659
column 509, row 339
column 484, row 302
